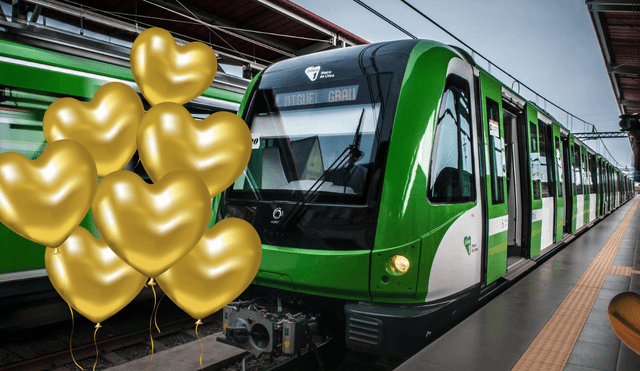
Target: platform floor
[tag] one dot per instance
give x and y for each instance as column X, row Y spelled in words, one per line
column 556, row 317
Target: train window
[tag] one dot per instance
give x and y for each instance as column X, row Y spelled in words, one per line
column 577, row 166
column 560, row 169
column 535, row 160
column 21, row 113
column 496, row 152
column 585, row 174
column 546, row 172
column 452, row 174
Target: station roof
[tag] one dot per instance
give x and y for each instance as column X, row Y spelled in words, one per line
column 617, row 25
column 251, row 33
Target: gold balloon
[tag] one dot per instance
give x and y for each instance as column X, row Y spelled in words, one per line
column 151, row 226
column 166, row 72
column 624, row 315
column 216, row 271
column 106, row 126
column 90, row 277
column 45, row 199
column 217, row 149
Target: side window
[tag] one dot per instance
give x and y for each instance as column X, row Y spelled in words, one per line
column 535, row 160
column 593, row 173
column 560, row 169
column 452, row 176
column 496, row 152
column 546, row 177
column 577, row 169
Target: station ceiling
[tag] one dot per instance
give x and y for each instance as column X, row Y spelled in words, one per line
column 617, row 25
column 251, row 33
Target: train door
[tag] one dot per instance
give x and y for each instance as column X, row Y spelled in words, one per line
column 578, row 179
column 518, row 187
column 547, row 184
column 560, row 184
column 569, row 188
column 593, row 192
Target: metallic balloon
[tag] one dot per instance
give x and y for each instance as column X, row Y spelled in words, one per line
column 90, row 277
column 217, row 149
column 44, row 200
column 106, row 126
column 216, row 271
column 624, row 315
column 166, row 72
column 151, row 226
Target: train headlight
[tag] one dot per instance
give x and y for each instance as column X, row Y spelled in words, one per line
column 398, row 265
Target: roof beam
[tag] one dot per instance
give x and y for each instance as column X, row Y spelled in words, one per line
column 625, row 70
column 612, row 5
column 630, row 103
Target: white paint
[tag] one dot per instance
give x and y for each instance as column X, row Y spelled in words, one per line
column 454, row 270
column 547, row 222
column 579, row 211
column 593, row 205
column 499, row 224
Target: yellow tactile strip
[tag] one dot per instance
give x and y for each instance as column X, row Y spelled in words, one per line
column 622, row 271
column 552, row 347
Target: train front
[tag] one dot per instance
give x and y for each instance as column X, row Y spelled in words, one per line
column 321, row 127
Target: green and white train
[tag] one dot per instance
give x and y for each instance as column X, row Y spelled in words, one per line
column 399, row 184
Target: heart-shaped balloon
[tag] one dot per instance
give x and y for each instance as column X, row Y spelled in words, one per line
column 166, row 72
column 151, row 226
column 217, row 149
column 624, row 315
column 216, row 271
column 45, row 199
column 106, row 126
column 90, row 277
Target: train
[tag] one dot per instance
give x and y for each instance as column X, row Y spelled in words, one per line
column 395, row 186
column 31, row 78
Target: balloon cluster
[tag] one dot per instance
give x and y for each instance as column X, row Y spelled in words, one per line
column 154, row 230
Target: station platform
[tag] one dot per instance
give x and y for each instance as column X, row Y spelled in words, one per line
column 555, row 318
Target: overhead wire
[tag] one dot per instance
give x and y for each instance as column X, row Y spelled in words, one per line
column 475, row 52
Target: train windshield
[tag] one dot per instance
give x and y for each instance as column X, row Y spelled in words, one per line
column 317, row 140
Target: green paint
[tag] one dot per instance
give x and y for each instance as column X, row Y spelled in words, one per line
column 404, row 205
column 339, row 274
column 496, row 254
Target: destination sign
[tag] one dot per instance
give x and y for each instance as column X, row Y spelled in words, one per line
column 330, row 95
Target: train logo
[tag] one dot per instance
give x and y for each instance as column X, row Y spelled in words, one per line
column 467, row 244
column 277, row 213
column 312, row 72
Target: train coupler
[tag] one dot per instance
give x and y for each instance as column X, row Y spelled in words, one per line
column 253, row 328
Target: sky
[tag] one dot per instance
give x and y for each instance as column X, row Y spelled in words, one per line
column 550, row 46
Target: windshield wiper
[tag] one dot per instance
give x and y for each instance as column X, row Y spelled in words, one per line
column 352, row 153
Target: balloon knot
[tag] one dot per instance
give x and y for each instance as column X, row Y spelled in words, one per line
column 151, row 282
column 56, row 251
column 199, row 322
column 98, row 325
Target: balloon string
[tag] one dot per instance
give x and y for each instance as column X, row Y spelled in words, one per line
column 71, row 338
column 155, row 315
column 199, row 322
column 152, row 283
column 96, row 345
column 56, row 252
